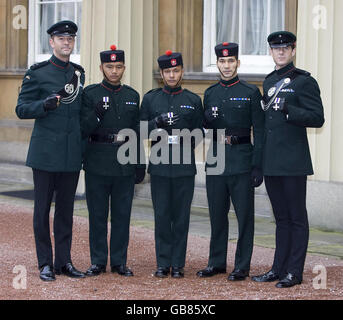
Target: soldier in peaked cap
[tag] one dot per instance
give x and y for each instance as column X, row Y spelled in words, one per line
column 109, row 107
column 171, row 109
column 233, row 105
column 291, row 103
column 51, row 94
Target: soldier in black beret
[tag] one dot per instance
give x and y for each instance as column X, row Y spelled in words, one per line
column 291, row 103
column 51, row 94
column 233, row 106
column 172, row 109
column 107, row 108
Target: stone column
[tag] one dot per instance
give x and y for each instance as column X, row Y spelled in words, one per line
column 129, row 25
column 319, row 48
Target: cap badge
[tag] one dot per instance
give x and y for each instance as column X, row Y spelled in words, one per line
column 113, row 57
column 225, row 52
column 173, row 62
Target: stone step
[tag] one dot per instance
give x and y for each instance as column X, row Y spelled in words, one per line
column 15, row 173
column 21, row 174
column 14, row 152
column 15, row 130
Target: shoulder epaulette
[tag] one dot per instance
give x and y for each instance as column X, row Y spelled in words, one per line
column 91, row 86
column 270, row 74
column 130, row 88
column 154, row 90
column 303, row 72
column 77, row 66
column 39, row 65
column 248, row 85
column 192, row 93
column 212, row 86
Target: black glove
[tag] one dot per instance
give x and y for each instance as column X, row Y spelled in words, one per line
column 281, row 104
column 100, row 110
column 166, row 119
column 51, row 102
column 140, row 174
column 256, row 177
column 211, row 114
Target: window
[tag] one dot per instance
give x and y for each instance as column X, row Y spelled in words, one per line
column 246, row 22
column 43, row 14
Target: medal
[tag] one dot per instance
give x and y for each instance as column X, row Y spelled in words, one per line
column 215, row 111
column 106, row 101
column 277, row 101
column 170, row 117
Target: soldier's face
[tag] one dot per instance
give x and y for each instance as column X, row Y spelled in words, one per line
column 228, row 67
column 62, row 46
column 113, row 71
column 172, row 76
column 282, row 56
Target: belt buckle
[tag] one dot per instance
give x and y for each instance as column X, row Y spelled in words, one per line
column 173, row 139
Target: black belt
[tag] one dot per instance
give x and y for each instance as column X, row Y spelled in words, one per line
column 233, row 136
column 237, row 132
column 111, row 138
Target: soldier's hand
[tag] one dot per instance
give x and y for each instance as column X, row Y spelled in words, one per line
column 51, row 102
column 166, row 119
column 256, row 177
column 140, row 174
column 211, row 114
column 100, row 110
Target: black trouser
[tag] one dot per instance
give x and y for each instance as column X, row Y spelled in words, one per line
column 64, row 185
column 219, row 191
column 172, row 199
column 100, row 192
column 288, row 198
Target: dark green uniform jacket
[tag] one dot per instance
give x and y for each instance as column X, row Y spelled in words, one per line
column 239, row 107
column 55, row 144
column 123, row 113
column 286, row 149
column 189, row 107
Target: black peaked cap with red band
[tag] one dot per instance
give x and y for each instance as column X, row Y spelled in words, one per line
column 170, row 60
column 281, row 39
column 65, row 28
column 226, row 49
column 112, row 55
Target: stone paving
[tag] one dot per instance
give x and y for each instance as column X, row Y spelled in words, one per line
column 321, row 242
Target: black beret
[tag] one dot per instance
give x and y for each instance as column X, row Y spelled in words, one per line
column 112, row 55
column 226, row 49
column 64, row 27
column 170, row 60
column 281, row 39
